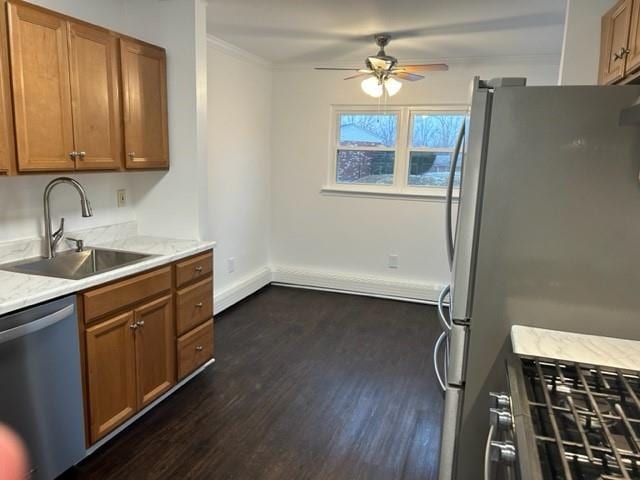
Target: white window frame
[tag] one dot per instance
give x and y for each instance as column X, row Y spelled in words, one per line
column 400, row 186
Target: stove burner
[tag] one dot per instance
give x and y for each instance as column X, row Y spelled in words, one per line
column 586, row 420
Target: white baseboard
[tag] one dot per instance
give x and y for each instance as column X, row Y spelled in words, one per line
column 359, row 284
column 241, row 289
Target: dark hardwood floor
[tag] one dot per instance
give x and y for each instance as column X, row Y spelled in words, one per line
column 306, row 385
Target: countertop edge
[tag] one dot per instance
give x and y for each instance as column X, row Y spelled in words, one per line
column 69, row 287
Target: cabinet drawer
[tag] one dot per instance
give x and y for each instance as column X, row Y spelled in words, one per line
column 194, row 305
column 195, row 348
column 115, row 296
column 194, row 268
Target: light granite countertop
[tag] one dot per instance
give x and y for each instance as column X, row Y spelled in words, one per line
column 19, row 290
column 576, row 347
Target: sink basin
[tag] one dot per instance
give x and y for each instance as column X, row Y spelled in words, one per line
column 74, row 265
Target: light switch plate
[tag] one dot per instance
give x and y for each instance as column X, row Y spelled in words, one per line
column 393, row 261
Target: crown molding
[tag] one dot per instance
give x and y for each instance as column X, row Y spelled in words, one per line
column 237, row 52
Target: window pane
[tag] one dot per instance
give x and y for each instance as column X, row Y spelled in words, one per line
column 432, row 169
column 368, row 130
column 436, row 130
column 365, row 166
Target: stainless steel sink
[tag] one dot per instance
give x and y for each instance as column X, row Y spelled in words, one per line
column 74, row 265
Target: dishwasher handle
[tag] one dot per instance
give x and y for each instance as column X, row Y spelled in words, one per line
column 39, row 324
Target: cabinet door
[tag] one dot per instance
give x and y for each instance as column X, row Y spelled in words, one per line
column 155, row 349
column 93, row 58
column 111, row 373
column 613, row 42
column 633, row 59
column 144, row 93
column 41, row 91
column 7, row 145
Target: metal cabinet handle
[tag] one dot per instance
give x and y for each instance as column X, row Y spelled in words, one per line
column 199, row 348
column 199, row 269
column 133, row 326
column 140, row 323
column 436, row 350
column 620, row 54
column 131, row 155
column 199, row 305
column 82, row 155
column 73, row 155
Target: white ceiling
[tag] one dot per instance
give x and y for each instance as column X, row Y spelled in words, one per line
column 338, row 31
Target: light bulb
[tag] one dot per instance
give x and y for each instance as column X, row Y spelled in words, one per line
column 371, row 86
column 392, row 86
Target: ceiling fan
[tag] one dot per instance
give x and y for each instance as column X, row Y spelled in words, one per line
column 383, row 71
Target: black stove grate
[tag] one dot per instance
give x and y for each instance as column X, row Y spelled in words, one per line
column 586, row 420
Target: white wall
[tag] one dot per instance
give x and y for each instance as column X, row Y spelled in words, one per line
column 318, row 238
column 158, row 200
column 239, row 162
column 581, row 43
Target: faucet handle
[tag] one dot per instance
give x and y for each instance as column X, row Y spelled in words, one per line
column 79, row 243
column 60, row 231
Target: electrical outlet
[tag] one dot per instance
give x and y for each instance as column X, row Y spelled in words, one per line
column 393, row 261
column 231, row 264
column 122, row 197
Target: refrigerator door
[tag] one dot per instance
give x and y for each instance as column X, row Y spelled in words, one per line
column 458, row 343
column 450, row 433
column 469, row 204
column 559, row 236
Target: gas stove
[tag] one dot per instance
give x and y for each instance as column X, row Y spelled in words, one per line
column 567, row 421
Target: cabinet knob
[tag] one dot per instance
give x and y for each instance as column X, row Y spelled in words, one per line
column 131, row 155
column 82, row 155
column 620, row 54
column 133, row 326
column 140, row 323
column 199, row 269
column 199, row 348
column 199, row 305
column 73, row 155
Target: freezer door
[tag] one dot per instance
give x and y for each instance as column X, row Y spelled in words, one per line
column 470, row 203
column 457, row 365
column 450, row 430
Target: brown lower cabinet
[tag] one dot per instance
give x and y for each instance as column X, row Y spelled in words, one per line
column 131, row 351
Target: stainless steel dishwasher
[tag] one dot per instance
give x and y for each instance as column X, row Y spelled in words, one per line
column 40, row 385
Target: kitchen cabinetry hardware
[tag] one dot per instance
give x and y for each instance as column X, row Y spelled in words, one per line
column 199, row 348
column 199, row 305
column 199, row 269
column 140, row 323
column 133, row 326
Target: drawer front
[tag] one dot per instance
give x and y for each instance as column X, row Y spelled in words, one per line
column 195, row 348
column 194, row 305
column 194, row 268
column 103, row 300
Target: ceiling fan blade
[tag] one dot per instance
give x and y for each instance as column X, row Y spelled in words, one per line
column 426, row 67
column 357, row 75
column 412, row 77
column 337, row 68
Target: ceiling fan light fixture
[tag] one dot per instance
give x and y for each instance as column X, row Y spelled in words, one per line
column 372, row 87
column 392, row 86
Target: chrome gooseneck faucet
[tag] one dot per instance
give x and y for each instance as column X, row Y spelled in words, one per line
column 52, row 239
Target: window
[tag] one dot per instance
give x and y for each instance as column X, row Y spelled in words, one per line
column 401, row 150
column 366, row 148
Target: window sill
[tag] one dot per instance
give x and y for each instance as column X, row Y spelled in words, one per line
column 430, row 196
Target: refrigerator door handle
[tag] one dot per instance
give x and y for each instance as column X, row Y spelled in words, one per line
column 449, row 197
column 436, row 350
column 447, row 325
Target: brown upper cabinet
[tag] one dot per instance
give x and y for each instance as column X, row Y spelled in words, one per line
column 70, row 82
column 95, row 97
column 7, row 145
column 144, row 90
column 620, row 43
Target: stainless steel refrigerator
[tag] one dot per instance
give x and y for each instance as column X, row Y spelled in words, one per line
column 547, row 234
